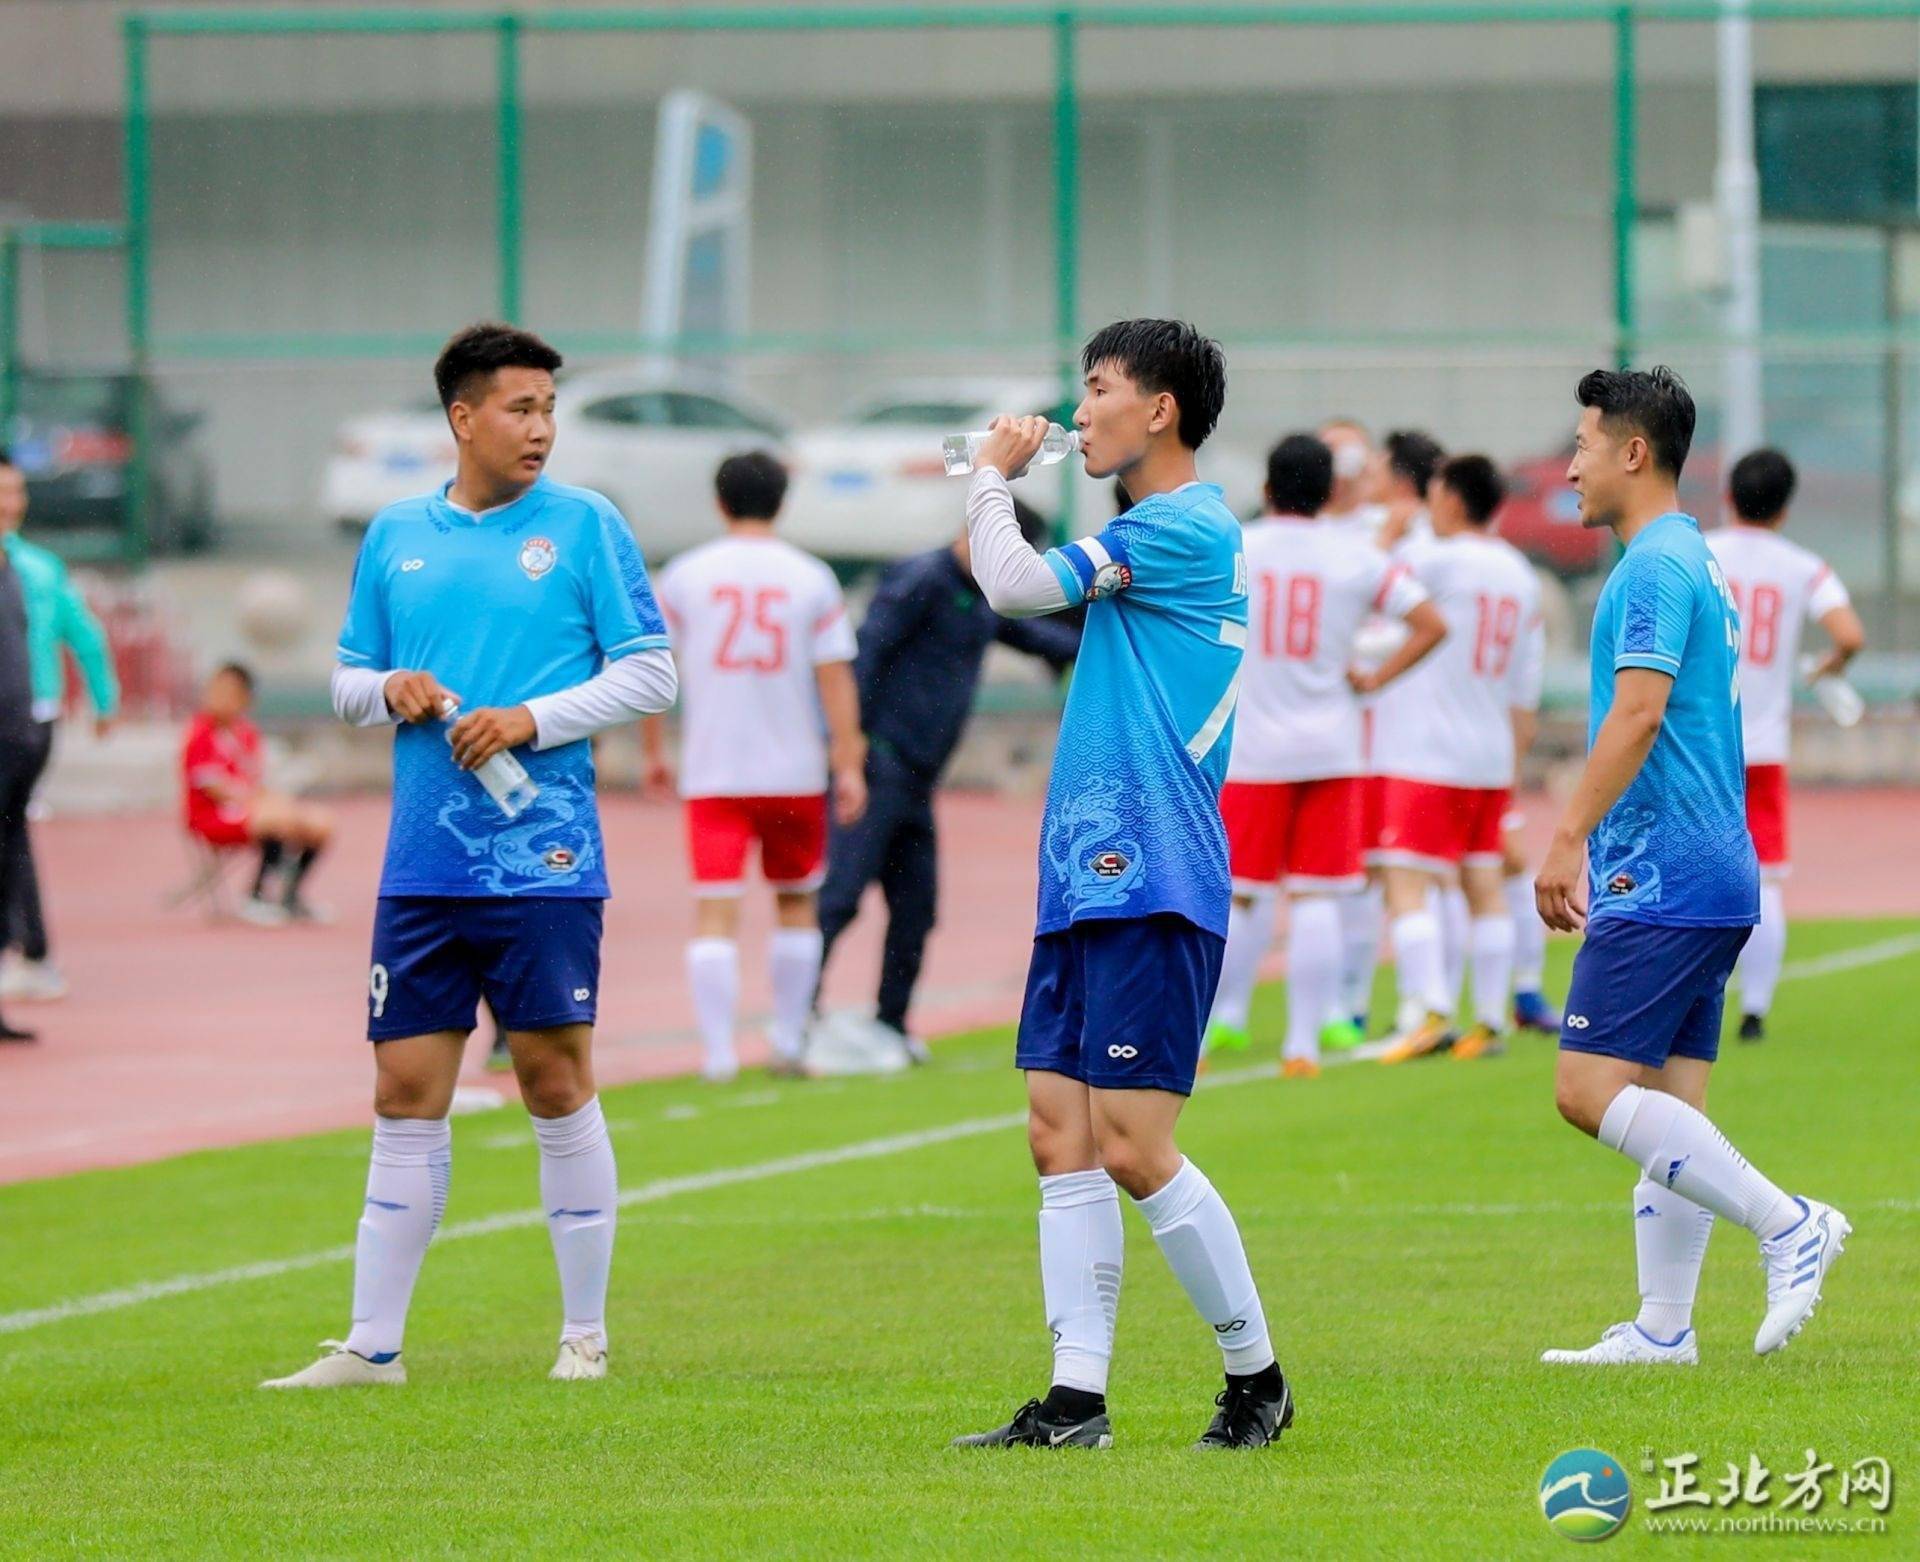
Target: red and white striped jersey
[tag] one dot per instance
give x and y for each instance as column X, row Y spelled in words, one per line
column 1311, row 585
column 1778, row 587
column 1450, row 720
column 751, row 617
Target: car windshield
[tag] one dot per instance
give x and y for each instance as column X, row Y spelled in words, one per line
column 918, row 414
column 74, row 398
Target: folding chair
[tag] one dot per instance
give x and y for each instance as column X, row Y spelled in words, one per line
column 207, row 884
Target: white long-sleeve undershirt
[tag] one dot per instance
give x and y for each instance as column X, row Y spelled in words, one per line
column 1016, row 581
column 623, row 690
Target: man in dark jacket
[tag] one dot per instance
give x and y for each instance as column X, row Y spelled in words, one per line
column 921, row 646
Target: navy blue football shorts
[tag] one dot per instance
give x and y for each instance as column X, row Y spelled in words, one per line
column 1121, row 1003
column 535, row 958
column 1648, row 993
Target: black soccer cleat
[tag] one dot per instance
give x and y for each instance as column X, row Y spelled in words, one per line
column 1032, row 1428
column 1249, row 1416
column 1753, row 1027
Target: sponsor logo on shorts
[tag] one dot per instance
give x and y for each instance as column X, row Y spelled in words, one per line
column 1118, row 1051
column 558, row 860
column 1577, row 1022
column 537, row 556
column 1622, row 884
column 582, row 994
column 1108, row 864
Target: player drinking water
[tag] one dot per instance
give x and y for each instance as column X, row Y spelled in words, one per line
column 1133, row 872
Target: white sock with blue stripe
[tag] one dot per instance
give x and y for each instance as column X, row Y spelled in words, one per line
column 1669, row 1244
column 1679, row 1148
column 1195, row 1230
column 580, row 1192
column 406, row 1195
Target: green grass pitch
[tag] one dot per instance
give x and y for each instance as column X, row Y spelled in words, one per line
column 794, row 1344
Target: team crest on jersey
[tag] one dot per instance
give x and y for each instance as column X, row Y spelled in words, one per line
column 1108, row 864
column 559, row 860
column 537, row 556
column 1111, row 577
column 1622, row 884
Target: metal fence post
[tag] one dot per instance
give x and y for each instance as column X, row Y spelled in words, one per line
column 139, row 217
column 1066, row 227
column 1626, row 194
column 507, row 134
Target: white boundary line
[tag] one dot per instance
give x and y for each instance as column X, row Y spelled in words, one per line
column 759, row 1171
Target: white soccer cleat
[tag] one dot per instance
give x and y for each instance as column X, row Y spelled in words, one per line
column 1627, row 1345
column 32, row 981
column 341, row 1368
column 1796, row 1262
column 580, row 1359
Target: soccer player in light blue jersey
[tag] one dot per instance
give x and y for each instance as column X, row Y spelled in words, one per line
column 1672, row 889
column 1134, row 892
column 526, row 604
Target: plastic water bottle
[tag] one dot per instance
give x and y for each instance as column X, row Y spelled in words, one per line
column 961, row 450
column 504, row 777
column 1838, row 698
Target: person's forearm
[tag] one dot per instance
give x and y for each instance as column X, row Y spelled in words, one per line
column 1426, row 630
column 1849, row 637
column 1620, row 748
column 1015, row 580
column 637, row 685
column 653, row 738
column 360, row 696
column 840, row 702
column 1526, row 726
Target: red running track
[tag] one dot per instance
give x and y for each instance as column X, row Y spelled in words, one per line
column 181, row 1034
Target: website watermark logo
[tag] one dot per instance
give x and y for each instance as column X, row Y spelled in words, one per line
column 1584, row 1494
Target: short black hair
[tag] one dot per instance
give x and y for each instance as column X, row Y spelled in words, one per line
column 1122, row 500
column 478, row 351
column 1034, row 526
column 238, row 670
column 751, row 487
column 1653, row 403
column 1761, row 486
column 1478, row 483
column 1414, row 456
column 1166, row 355
column 1300, row 475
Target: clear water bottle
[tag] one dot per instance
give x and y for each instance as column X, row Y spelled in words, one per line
column 960, row 450
column 504, row 777
column 1838, row 698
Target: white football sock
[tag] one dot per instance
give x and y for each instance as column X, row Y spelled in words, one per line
column 1313, row 972
column 1249, row 932
column 1529, row 935
column 1196, row 1232
column 1081, row 1250
column 581, row 1195
column 713, row 972
column 1679, row 1148
column 1456, row 942
column 1669, row 1241
column 406, row 1196
column 1360, row 917
column 1766, row 951
column 793, row 966
column 1417, row 963
column 1492, row 969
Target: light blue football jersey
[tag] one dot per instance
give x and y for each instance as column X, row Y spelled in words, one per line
column 523, row 601
column 1132, row 824
column 1674, row 850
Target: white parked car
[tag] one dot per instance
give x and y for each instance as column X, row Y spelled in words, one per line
column 874, row 487
column 647, row 440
